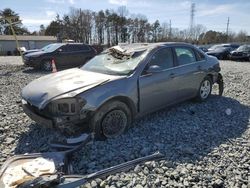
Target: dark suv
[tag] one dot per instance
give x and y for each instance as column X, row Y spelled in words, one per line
column 64, row 54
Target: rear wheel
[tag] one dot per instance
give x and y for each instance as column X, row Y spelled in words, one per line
column 205, row 89
column 111, row 120
column 46, row 65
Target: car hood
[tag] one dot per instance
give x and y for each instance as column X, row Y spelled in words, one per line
column 35, row 54
column 216, row 51
column 66, row 83
column 31, row 51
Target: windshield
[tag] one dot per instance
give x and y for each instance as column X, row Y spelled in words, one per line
column 114, row 63
column 51, row 47
column 45, row 47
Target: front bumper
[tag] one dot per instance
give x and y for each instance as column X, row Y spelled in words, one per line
column 37, row 118
column 30, row 62
column 60, row 122
column 235, row 57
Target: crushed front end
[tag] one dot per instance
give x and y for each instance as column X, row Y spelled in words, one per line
column 62, row 113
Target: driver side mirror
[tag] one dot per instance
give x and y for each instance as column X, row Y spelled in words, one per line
column 59, row 50
column 153, row 69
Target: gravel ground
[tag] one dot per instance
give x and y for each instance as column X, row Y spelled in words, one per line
column 206, row 144
column 11, row 60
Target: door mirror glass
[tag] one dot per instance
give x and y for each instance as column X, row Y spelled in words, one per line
column 153, row 69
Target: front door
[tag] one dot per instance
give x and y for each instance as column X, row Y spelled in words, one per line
column 158, row 87
column 64, row 56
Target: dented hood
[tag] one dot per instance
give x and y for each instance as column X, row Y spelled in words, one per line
column 72, row 82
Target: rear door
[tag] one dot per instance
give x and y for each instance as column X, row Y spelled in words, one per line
column 159, row 88
column 189, row 71
column 85, row 54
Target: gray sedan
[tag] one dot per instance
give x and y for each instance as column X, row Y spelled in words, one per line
column 121, row 84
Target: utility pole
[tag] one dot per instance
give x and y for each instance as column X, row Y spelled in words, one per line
column 192, row 11
column 227, row 27
column 11, row 20
column 170, row 29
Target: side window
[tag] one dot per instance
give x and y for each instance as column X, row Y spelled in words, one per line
column 162, row 58
column 74, row 48
column 66, row 48
column 200, row 56
column 84, row 48
column 185, row 55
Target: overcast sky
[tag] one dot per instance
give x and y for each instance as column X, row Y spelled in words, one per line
column 211, row 13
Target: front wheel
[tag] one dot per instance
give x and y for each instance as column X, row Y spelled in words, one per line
column 205, row 89
column 221, row 57
column 111, row 120
column 46, row 65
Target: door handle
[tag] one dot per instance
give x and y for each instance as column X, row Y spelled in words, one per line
column 199, row 67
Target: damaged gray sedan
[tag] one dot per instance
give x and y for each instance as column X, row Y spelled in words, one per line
column 121, row 84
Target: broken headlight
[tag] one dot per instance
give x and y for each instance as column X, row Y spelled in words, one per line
column 66, row 106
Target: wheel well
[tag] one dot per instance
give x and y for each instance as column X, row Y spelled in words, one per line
column 211, row 77
column 43, row 60
column 125, row 100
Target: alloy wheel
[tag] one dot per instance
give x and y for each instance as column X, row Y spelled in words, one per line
column 205, row 89
column 47, row 66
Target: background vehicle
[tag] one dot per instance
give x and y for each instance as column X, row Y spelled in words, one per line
column 64, row 54
column 121, row 84
column 204, row 49
column 222, row 51
column 241, row 53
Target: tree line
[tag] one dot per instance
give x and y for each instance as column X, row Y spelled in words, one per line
column 111, row 27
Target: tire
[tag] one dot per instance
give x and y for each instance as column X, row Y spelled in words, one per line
column 46, row 65
column 221, row 57
column 205, row 89
column 111, row 120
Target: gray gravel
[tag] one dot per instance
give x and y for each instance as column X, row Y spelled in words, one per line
column 206, row 144
column 11, row 60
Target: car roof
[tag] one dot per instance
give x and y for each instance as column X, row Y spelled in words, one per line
column 230, row 44
column 65, row 43
column 146, row 46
